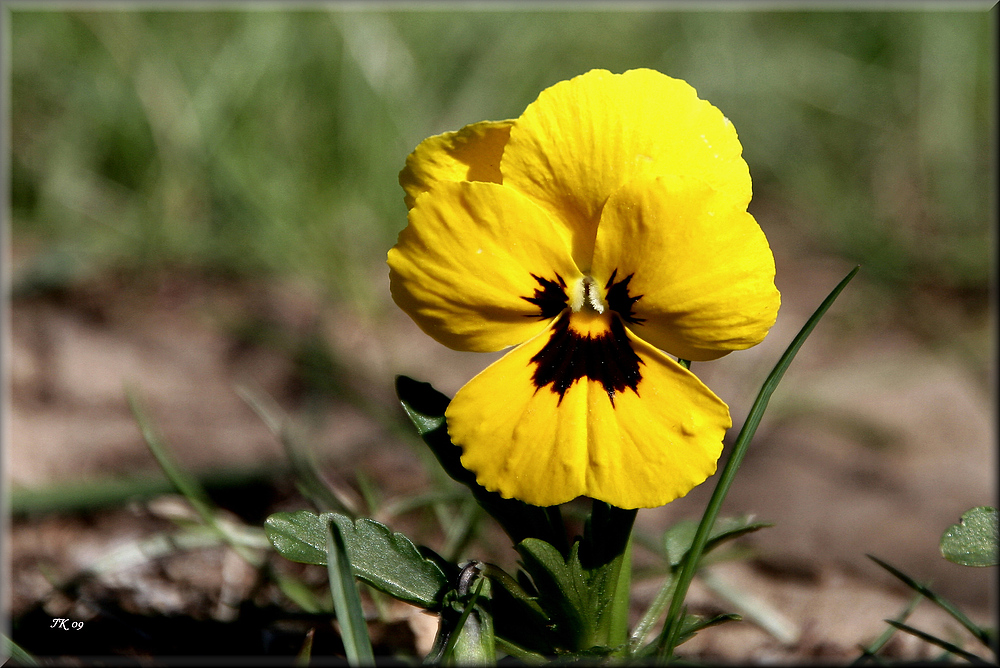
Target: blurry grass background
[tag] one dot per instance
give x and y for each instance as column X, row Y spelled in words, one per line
column 265, row 141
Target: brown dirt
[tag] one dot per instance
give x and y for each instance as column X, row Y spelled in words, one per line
column 874, row 443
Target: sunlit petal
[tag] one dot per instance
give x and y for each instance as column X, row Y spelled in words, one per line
column 479, row 266
column 585, row 137
column 699, row 271
column 470, row 154
column 547, row 438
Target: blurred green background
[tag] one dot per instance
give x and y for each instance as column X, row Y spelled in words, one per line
column 264, row 141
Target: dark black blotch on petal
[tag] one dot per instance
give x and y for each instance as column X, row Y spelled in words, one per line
column 619, row 299
column 550, row 297
column 569, row 356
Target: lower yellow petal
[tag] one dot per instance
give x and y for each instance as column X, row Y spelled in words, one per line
column 545, row 428
column 470, row 154
column 699, row 270
column 480, row 267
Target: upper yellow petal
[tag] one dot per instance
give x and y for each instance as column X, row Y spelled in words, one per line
column 699, row 268
column 470, row 154
column 585, row 137
column 541, row 425
column 472, row 259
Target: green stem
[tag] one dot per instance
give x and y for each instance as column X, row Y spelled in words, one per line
column 671, row 628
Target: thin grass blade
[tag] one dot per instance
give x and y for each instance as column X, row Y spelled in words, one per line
column 868, row 653
column 21, row 656
column 346, row 600
column 669, row 635
column 307, row 476
column 449, row 648
column 934, row 640
column 980, row 634
column 303, row 658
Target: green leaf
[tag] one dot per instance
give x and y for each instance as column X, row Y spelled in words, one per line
column 426, row 406
column 388, row 561
column 20, row 655
column 346, row 600
column 694, row 623
column 519, row 620
column 973, row 541
column 677, row 539
column 576, row 599
column 562, row 587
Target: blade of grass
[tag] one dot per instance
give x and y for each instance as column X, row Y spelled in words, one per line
column 934, row 640
column 668, row 636
column 449, row 648
column 119, row 490
column 754, row 609
column 20, row 655
column 656, row 608
column 461, row 532
column 868, row 653
column 187, row 485
column 304, row 656
column 346, row 600
column 307, row 475
column 979, row 633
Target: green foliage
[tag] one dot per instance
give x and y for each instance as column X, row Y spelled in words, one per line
column 387, row 561
column 985, row 636
column 426, row 406
column 677, row 540
column 973, row 541
column 580, row 596
column 346, row 600
column 269, row 141
column 465, row 636
column 671, row 634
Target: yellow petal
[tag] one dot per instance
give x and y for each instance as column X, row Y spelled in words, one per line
column 585, row 137
column 470, row 154
column 540, row 424
column 479, row 266
column 699, row 271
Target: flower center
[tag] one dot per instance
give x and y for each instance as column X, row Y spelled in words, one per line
column 586, row 296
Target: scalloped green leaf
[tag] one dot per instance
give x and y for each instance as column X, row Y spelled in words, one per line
column 973, row 541
column 678, row 538
column 386, row 560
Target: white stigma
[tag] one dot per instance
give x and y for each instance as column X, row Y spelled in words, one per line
column 586, row 294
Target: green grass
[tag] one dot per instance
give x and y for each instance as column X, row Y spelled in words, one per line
column 268, row 142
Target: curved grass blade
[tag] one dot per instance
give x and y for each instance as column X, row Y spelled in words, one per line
column 868, row 653
column 671, row 628
column 346, row 600
column 307, row 476
column 304, row 656
column 186, row 484
column 934, row 640
column 21, row 656
column 448, row 654
column 980, row 634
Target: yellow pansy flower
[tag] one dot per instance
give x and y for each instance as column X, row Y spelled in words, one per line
column 604, row 225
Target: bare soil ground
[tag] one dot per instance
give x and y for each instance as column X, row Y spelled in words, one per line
column 875, row 443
